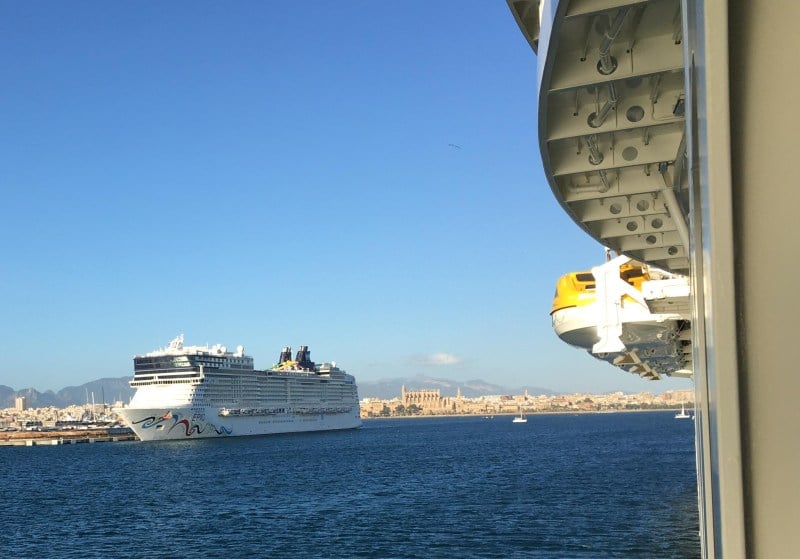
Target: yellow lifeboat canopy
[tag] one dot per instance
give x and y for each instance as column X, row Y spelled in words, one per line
column 577, row 289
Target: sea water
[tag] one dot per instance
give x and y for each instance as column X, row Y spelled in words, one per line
column 583, row 485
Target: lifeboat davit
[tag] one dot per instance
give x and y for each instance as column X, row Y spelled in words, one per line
column 631, row 315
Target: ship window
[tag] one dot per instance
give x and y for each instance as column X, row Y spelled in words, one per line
column 584, row 277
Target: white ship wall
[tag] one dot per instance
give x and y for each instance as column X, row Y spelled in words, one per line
column 155, row 424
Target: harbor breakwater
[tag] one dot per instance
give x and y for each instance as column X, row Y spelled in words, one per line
column 71, row 436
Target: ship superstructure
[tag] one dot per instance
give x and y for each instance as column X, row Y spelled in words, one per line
column 207, row 391
column 666, row 130
column 612, row 135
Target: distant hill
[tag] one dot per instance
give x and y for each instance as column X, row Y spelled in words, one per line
column 108, row 389
column 386, row 389
column 113, row 389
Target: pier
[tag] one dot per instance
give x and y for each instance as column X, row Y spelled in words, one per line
column 54, row 438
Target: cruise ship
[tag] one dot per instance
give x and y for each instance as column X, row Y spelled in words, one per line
column 668, row 132
column 185, row 392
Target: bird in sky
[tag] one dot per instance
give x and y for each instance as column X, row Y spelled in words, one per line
column 455, row 146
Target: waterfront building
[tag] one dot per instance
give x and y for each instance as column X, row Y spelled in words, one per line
column 430, row 401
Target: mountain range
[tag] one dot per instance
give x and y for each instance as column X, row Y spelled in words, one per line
column 104, row 389
column 110, row 390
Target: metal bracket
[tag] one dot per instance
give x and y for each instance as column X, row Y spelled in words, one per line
column 610, row 289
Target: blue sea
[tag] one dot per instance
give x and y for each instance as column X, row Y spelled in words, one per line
column 588, row 485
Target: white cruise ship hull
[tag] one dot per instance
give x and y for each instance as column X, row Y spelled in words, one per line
column 179, row 423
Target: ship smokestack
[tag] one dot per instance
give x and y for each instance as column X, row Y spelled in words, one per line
column 286, row 355
column 304, row 358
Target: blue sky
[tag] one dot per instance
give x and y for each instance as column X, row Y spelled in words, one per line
column 360, row 177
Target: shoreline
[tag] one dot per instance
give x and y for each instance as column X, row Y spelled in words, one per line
column 512, row 414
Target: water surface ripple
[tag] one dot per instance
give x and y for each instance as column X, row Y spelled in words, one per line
column 598, row 485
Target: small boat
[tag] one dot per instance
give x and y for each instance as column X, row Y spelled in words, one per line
column 520, row 419
column 682, row 414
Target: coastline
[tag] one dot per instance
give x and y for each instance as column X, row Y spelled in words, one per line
column 528, row 414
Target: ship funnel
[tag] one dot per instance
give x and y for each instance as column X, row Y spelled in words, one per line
column 286, row 355
column 304, row 358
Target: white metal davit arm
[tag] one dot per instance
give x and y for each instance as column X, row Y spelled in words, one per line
column 610, row 289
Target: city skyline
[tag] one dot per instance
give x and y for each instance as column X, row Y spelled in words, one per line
column 360, row 178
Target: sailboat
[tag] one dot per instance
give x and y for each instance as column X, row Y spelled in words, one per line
column 520, row 418
column 682, row 414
